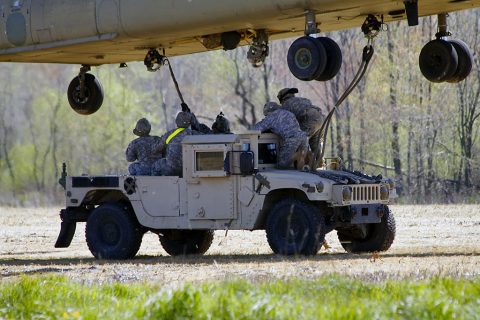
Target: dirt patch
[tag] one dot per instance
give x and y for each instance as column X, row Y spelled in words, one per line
column 431, row 240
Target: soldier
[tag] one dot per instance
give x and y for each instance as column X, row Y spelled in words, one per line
column 221, row 124
column 171, row 143
column 309, row 117
column 284, row 124
column 140, row 150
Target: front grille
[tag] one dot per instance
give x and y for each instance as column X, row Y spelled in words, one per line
column 365, row 193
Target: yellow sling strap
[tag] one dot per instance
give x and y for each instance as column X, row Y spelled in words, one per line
column 174, row 133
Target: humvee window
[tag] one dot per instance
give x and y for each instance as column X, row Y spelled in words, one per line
column 209, row 161
column 267, row 153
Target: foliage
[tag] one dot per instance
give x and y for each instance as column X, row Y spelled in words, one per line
column 438, row 143
column 332, row 297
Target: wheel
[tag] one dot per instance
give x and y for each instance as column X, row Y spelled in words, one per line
column 93, row 98
column 294, row 227
column 465, row 61
column 378, row 236
column 334, row 59
column 112, row 232
column 183, row 242
column 306, row 58
column 438, row 60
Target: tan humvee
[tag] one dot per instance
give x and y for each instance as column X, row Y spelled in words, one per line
column 229, row 182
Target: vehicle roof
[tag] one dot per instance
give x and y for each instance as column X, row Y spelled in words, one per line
column 209, row 138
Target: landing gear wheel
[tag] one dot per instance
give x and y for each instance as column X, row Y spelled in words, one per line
column 183, row 242
column 379, row 236
column 306, row 58
column 112, row 232
column 465, row 61
column 93, row 95
column 294, row 227
column 334, row 59
column 438, row 60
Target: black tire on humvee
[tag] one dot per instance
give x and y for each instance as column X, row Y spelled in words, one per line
column 295, row 227
column 183, row 242
column 112, row 232
column 379, row 236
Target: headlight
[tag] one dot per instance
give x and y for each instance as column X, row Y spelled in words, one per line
column 346, row 194
column 384, row 193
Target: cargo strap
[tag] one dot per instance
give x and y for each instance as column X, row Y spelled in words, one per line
column 174, row 133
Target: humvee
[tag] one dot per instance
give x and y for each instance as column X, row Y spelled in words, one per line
column 229, row 182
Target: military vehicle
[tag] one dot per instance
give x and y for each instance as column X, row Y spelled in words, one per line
column 95, row 32
column 229, row 182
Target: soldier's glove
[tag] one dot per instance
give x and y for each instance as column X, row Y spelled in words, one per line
column 185, row 107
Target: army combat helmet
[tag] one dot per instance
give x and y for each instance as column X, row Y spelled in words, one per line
column 183, row 119
column 286, row 93
column 269, row 107
column 142, row 128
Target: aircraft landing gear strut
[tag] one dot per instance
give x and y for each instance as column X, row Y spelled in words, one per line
column 314, row 58
column 444, row 60
column 85, row 94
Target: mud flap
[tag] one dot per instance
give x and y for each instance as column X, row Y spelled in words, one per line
column 67, row 231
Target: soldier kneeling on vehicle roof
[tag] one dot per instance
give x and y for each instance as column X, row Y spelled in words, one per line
column 140, row 151
column 293, row 141
column 309, row 116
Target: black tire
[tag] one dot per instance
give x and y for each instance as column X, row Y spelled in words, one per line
column 93, row 95
column 294, row 227
column 438, row 60
column 113, row 232
column 379, row 237
column 183, row 242
column 334, row 58
column 465, row 61
column 306, row 58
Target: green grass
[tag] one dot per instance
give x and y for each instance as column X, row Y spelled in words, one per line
column 333, row 297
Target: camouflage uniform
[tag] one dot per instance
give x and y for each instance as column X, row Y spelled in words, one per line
column 141, row 151
column 283, row 123
column 309, row 117
column 171, row 165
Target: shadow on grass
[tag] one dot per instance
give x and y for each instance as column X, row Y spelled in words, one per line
column 219, row 259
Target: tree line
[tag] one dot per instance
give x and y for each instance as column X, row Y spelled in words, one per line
column 395, row 123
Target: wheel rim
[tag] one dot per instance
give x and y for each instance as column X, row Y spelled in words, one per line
column 110, row 233
column 303, row 58
column 78, row 99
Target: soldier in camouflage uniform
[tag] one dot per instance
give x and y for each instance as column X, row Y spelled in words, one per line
column 171, row 143
column 284, row 124
column 140, row 150
column 309, row 117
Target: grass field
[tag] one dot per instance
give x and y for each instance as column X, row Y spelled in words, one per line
column 432, row 271
column 328, row 297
